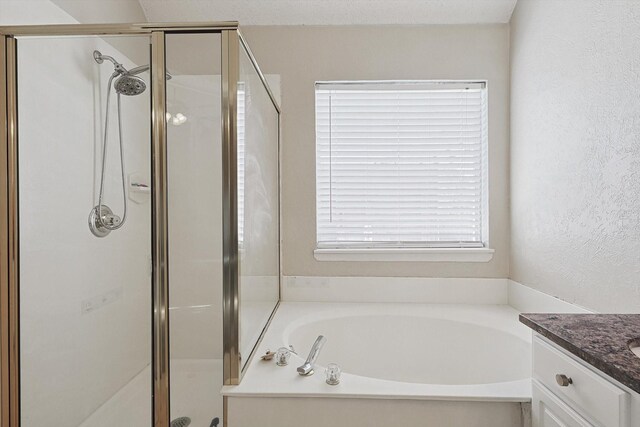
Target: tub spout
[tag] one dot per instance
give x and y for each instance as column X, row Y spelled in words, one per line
column 307, row 367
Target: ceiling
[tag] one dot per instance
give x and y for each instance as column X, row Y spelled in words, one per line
column 330, row 12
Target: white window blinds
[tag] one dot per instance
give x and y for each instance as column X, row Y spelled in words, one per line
column 401, row 164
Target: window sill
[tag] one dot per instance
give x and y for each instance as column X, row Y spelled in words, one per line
column 406, row 254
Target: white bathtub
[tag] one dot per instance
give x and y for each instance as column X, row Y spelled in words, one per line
column 473, row 360
column 418, row 346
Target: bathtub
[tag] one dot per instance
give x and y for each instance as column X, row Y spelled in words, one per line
column 403, row 364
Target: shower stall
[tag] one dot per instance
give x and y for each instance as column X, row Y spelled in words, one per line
column 139, row 229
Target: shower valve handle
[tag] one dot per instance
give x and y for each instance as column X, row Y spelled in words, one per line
column 110, row 220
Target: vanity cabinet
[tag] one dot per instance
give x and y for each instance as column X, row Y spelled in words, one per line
column 569, row 393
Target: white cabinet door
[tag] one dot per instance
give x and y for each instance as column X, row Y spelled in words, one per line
column 549, row 411
column 589, row 394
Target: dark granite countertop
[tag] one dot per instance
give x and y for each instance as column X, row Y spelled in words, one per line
column 601, row 340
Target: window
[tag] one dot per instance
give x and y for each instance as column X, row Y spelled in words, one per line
column 401, row 165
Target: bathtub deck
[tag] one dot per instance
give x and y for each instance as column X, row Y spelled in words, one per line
column 265, row 379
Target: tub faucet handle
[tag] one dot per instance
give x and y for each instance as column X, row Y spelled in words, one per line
column 307, row 367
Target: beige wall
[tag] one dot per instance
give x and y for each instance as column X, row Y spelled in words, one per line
column 304, row 55
column 103, row 11
column 108, row 11
column 575, row 153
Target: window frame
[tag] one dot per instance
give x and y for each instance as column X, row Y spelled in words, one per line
column 413, row 251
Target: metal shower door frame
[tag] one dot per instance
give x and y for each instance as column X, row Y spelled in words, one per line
column 9, row 228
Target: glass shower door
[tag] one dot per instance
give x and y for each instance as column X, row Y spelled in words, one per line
column 85, row 282
column 194, row 168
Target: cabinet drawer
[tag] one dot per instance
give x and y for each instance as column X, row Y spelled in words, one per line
column 549, row 411
column 589, row 393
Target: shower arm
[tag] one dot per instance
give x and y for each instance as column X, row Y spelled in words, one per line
column 143, row 68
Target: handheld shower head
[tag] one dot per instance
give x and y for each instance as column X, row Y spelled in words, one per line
column 129, row 85
column 143, row 68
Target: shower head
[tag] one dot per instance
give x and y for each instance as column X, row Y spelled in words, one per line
column 129, row 85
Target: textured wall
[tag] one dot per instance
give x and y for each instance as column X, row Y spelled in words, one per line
column 304, row 55
column 575, row 150
column 100, row 11
column 328, row 12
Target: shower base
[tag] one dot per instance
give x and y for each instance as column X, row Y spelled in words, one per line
column 195, row 393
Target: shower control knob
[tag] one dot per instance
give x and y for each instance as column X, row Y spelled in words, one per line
column 102, row 221
column 111, row 220
column 563, row 380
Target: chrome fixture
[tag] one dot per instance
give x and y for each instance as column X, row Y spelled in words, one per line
column 282, row 356
column 332, row 373
column 307, row 367
column 102, row 220
column 181, row 422
column 129, row 83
